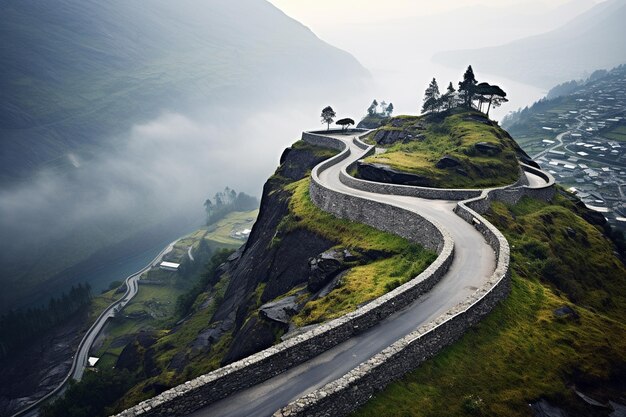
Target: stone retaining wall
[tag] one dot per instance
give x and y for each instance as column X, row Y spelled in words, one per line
column 346, row 394
column 453, row 194
column 513, row 195
column 261, row 366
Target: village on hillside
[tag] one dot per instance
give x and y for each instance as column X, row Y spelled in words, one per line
column 580, row 138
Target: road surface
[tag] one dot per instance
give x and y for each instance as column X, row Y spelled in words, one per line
column 474, row 262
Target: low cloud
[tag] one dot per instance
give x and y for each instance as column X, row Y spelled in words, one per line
column 161, row 168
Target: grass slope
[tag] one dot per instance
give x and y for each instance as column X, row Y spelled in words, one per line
column 523, row 351
column 453, row 134
column 400, row 260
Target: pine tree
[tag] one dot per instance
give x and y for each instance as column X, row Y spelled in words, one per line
column 467, row 87
column 389, row 110
column 431, row 97
column 372, row 108
column 449, row 98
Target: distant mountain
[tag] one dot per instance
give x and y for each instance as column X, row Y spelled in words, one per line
column 595, row 39
column 75, row 71
column 79, row 187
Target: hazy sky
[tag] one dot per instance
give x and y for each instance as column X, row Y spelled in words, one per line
column 324, row 13
column 396, row 39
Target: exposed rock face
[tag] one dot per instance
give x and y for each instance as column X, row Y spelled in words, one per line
column 524, row 158
column 324, row 268
column 384, row 173
column 487, row 148
column 209, row 336
column 447, row 162
column 255, row 335
column 372, row 122
column 138, row 352
column 389, row 137
column 280, row 261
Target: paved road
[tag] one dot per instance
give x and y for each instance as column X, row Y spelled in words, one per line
column 131, row 290
column 559, row 138
column 474, row 262
column 80, row 358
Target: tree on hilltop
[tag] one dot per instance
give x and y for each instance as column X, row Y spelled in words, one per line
column 467, row 87
column 431, row 97
column 383, row 107
column 372, row 108
column 389, row 109
column 495, row 97
column 328, row 116
column 345, row 123
column 449, row 98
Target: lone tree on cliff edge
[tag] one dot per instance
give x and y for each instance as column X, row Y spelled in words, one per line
column 345, row 123
column 328, row 115
column 491, row 94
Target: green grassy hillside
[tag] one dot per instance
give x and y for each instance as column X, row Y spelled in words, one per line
column 530, row 347
column 427, row 139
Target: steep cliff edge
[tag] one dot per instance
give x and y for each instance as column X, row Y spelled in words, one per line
column 300, row 267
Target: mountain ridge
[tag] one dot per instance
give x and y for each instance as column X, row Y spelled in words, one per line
column 597, row 37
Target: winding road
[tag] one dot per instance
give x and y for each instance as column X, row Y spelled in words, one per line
column 474, row 262
column 79, row 361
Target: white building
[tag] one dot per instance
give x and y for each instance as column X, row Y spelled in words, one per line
column 169, row 266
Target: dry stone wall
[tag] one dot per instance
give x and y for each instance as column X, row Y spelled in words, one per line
column 354, row 389
column 261, row 366
column 452, row 194
column 346, row 394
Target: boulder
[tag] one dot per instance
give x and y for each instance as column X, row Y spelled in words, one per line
column 324, row 267
column 327, row 289
column 178, row 362
column 566, row 312
column 487, row 148
column 448, row 162
column 280, row 311
column 386, row 174
column 136, row 352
